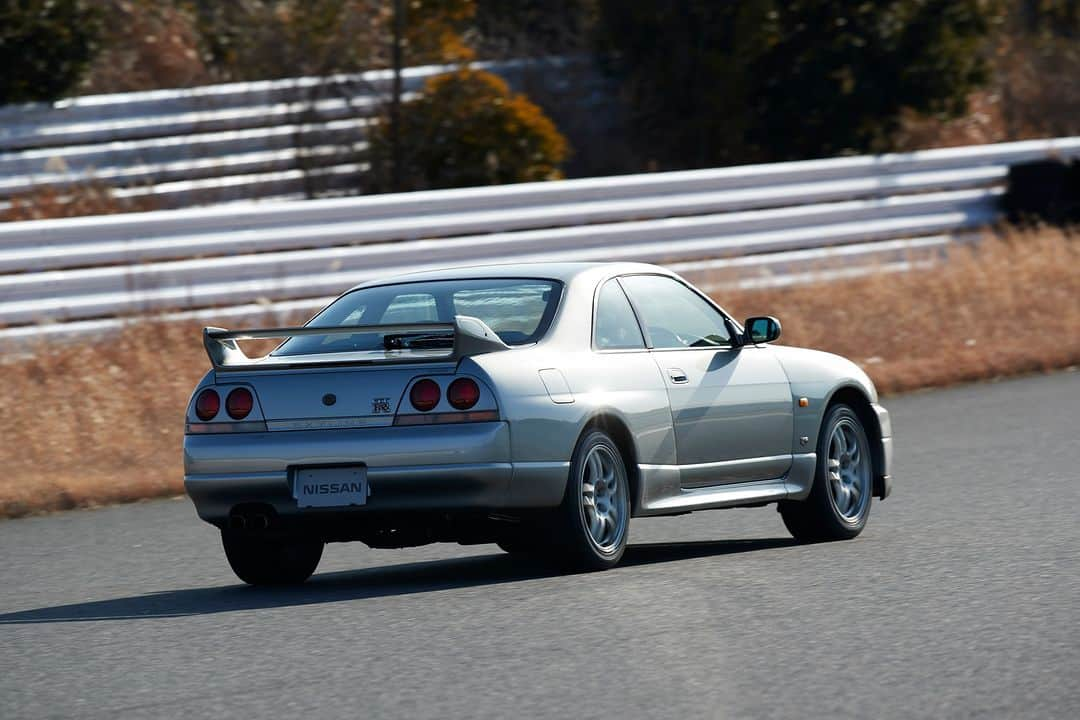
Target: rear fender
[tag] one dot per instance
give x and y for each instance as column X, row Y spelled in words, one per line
column 546, row 424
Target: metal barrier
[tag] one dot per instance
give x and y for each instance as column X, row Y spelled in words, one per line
column 215, row 143
column 761, row 223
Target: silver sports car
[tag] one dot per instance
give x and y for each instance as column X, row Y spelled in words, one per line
column 540, row 407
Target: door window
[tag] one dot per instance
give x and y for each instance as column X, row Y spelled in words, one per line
column 615, row 328
column 675, row 316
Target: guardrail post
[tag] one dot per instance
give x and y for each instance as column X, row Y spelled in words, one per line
column 395, row 101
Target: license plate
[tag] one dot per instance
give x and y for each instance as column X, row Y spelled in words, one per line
column 331, row 487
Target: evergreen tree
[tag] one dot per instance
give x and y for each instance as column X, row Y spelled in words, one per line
column 712, row 83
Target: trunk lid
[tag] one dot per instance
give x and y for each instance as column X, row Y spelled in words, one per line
column 313, row 399
column 312, row 391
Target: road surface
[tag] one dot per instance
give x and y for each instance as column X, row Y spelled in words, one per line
column 960, row 600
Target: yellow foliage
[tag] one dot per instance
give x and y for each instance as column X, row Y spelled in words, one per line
column 433, row 31
column 468, row 128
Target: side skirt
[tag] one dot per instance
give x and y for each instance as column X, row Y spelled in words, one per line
column 663, row 494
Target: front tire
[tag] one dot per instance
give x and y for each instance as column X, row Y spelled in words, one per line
column 839, row 502
column 591, row 527
column 277, row 561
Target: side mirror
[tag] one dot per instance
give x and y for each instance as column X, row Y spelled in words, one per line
column 762, row 329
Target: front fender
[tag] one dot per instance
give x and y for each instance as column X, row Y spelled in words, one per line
column 818, row 376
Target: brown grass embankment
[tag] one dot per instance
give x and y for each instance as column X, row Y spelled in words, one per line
column 1007, row 307
column 98, row 423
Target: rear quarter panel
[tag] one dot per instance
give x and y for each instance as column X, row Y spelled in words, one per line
column 626, row 386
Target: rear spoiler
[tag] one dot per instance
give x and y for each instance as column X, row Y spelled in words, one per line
column 471, row 336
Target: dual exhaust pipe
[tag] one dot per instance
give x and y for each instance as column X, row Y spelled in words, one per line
column 254, row 521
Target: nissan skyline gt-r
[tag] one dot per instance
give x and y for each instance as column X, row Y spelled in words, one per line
column 537, row 406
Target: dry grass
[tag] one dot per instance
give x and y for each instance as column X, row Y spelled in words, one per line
column 88, row 198
column 984, row 122
column 1009, row 307
column 100, row 423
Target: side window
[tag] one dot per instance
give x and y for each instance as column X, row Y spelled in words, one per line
column 674, row 316
column 615, row 326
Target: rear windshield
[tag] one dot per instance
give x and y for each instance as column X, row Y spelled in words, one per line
column 518, row 310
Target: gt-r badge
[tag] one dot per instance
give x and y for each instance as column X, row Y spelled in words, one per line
column 380, row 406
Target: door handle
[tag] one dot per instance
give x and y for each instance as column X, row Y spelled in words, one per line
column 677, row 375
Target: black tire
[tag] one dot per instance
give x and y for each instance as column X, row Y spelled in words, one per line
column 263, row 561
column 519, row 545
column 569, row 538
column 818, row 518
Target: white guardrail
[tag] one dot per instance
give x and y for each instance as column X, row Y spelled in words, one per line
column 278, row 139
column 758, row 223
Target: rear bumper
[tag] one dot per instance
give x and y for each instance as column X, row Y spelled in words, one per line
column 441, row 467
column 883, row 481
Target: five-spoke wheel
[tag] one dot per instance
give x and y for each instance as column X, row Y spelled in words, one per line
column 848, row 467
column 603, row 493
column 590, row 529
column 839, row 501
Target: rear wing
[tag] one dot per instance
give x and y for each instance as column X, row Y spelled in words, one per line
column 469, row 336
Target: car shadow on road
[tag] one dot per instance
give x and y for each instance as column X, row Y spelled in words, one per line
column 402, row 579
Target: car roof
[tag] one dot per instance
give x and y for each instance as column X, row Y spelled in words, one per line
column 562, row 271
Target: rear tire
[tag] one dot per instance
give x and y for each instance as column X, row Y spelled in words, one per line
column 839, row 502
column 278, row 561
column 590, row 528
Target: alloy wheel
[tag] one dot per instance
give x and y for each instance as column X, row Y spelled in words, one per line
column 848, row 467
column 603, row 497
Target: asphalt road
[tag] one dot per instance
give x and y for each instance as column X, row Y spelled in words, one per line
column 960, row 600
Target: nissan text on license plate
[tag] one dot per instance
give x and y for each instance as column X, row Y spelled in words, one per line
column 331, row 487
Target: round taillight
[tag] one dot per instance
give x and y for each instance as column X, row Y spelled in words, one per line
column 463, row 393
column 239, row 403
column 425, row 395
column 207, row 404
